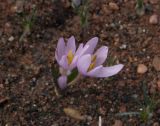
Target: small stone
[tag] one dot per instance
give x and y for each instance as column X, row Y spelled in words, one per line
column 156, row 124
column 152, row 89
column 118, row 123
column 123, row 46
column 156, row 63
column 143, row 30
column 106, row 10
column 11, row 39
column 1, row 32
column 158, row 111
column 158, row 85
column 122, row 108
column 1, row 86
column 18, row 7
column 141, row 69
column 153, row 1
column 153, row 19
column 7, row 28
column 113, row 6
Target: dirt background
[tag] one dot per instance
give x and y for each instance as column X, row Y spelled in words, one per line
column 27, row 89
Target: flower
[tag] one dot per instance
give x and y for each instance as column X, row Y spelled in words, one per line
column 91, row 64
column 67, row 56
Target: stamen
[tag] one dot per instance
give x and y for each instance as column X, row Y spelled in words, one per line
column 93, row 63
column 93, row 58
column 91, row 66
column 70, row 57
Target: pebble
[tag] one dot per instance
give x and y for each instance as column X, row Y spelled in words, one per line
column 156, row 124
column 113, row 6
column 1, row 86
column 122, row 108
column 141, row 69
column 123, row 46
column 152, row 89
column 18, row 7
column 118, row 123
column 1, row 32
column 153, row 19
column 153, row 1
column 158, row 85
column 8, row 28
column 156, row 63
column 11, row 39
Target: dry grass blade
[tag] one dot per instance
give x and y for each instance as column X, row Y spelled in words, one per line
column 73, row 113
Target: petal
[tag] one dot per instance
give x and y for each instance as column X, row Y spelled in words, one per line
column 63, row 62
column 74, row 63
column 56, row 56
column 62, row 81
column 95, row 72
column 60, row 51
column 101, row 55
column 106, row 71
column 83, row 63
column 92, row 44
column 71, row 44
column 79, row 50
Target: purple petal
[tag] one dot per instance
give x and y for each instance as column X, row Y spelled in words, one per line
column 60, row 51
column 78, row 53
column 95, row 72
column 56, row 56
column 71, row 45
column 79, row 50
column 92, row 44
column 64, row 62
column 101, row 55
column 83, row 63
column 62, row 81
column 105, row 71
column 74, row 63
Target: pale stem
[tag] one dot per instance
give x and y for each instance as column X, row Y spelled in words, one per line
column 100, row 121
column 75, row 80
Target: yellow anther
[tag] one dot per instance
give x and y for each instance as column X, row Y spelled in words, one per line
column 93, row 58
column 93, row 63
column 91, row 66
column 70, row 57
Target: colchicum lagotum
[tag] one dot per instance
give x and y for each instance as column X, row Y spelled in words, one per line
column 83, row 58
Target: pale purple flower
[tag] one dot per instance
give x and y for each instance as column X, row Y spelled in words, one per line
column 67, row 56
column 91, row 64
column 66, row 53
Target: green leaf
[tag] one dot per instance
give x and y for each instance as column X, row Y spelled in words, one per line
column 127, row 114
column 73, row 75
column 140, row 10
